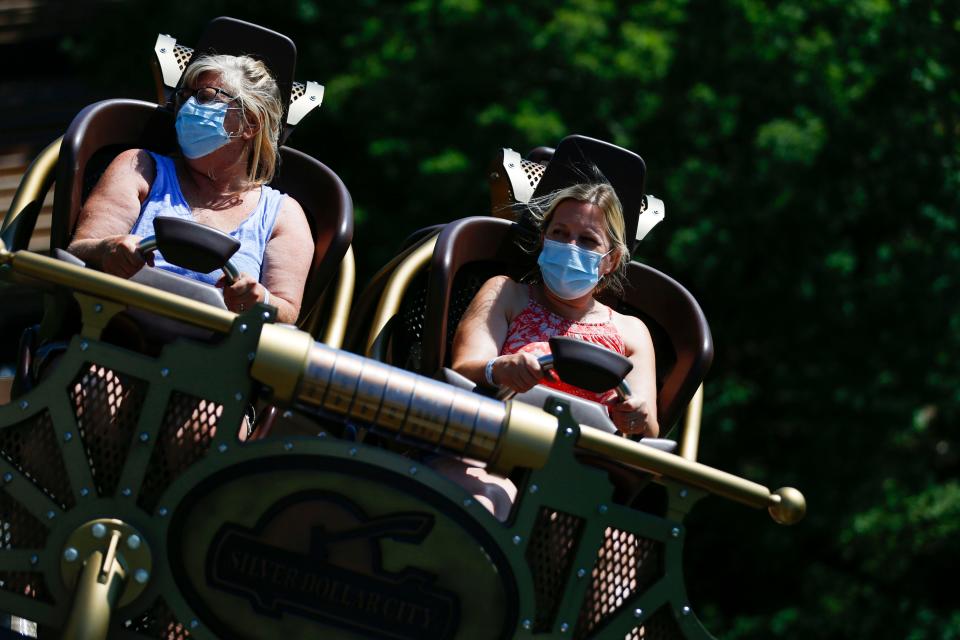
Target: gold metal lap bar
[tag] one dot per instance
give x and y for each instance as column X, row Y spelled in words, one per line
column 505, row 435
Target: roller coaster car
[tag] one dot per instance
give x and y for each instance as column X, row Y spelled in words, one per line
column 131, row 507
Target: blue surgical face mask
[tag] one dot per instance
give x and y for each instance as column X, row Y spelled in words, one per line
column 200, row 129
column 569, row 271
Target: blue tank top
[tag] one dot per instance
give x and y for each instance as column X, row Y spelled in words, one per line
column 166, row 199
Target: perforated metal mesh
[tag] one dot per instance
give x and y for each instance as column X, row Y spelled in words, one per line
column 31, row 446
column 158, row 622
column 553, row 542
column 533, row 171
column 466, row 283
column 26, row 583
column 107, row 406
column 18, row 527
column 183, row 55
column 188, row 426
column 408, row 335
column 297, row 91
column 661, row 626
column 626, row 564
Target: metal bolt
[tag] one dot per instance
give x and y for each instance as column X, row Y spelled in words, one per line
column 24, row 404
column 287, row 414
column 581, row 573
column 98, row 307
column 238, row 396
column 413, row 471
column 67, row 437
column 141, row 576
column 8, row 477
column 675, row 532
column 467, row 502
column 162, row 512
column 134, row 541
column 564, row 627
column 194, row 623
column 84, row 345
column 144, row 436
column 84, row 492
column 568, row 431
column 51, row 515
column 266, row 315
column 602, row 508
column 353, row 451
column 288, row 446
column 527, row 624
column 559, row 409
column 34, row 559
column 638, row 613
column 70, row 554
column 686, row 610
column 164, row 372
column 222, row 448
column 98, row 530
column 243, row 328
column 322, row 435
column 683, row 493
column 517, row 539
column 252, row 356
column 534, row 488
column 126, row 492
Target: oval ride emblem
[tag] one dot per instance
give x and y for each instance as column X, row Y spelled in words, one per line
column 333, row 548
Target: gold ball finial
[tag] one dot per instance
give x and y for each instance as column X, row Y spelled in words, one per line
column 787, row 506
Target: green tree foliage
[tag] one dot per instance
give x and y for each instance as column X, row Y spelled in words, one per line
column 809, row 157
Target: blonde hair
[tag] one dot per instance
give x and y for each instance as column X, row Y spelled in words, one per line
column 258, row 95
column 602, row 196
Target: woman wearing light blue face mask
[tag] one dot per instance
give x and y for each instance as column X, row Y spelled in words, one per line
column 508, row 324
column 228, row 117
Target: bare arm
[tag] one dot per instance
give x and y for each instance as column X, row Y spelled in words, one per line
column 481, row 334
column 286, row 264
column 102, row 237
column 638, row 414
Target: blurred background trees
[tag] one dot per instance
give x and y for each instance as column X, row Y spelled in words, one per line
column 808, row 155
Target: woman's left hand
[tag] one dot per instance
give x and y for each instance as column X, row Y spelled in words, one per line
column 242, row 294
column 632, row 417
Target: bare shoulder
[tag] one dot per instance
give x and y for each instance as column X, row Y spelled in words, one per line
column 135, row 165
column 636, row 335
column 291, row 218
column 509, row 294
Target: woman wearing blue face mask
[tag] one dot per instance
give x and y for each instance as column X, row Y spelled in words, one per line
column 508, row 324
column 228, row 125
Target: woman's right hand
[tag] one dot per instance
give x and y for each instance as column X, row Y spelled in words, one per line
column 120, row 256
column 518, row 371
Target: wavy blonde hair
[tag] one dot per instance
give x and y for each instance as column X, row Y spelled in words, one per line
column 258, row 95
column 601, row 195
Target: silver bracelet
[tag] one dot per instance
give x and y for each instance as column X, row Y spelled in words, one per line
column 488, row 372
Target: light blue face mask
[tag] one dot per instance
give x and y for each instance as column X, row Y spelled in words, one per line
column 200, row 129
column 569, row 271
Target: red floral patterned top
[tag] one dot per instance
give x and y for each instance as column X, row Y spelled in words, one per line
column 535, row 325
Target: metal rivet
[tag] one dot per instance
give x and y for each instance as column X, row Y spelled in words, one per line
column 313, row 98
column 686, row 610
column 266, row 315
column 194, row 623
column 527, row 624
column 144, row 436
column 67, row 437
column 251, row 356
column 98, row 307
column 134, row 541
column 675, row 532
column 638, row 613
column 8, row 477
column 162, row 512
column 322, row 435
column 34, row 559
column 238, row 396
column 568, row 431
column 164, row 372
column 98, row 530
column 683, row 493
column 70, row 554
column 141, row 576
column 126, row 492
column 288, row 446
column 222, row 447
column 84, row 346
column 51, row 515
column 564, row 627
column 353, row 451
column 534, row 488
column 288, row 414
column 163, row 49
column 517, row 539
column 413, row 471
column 24, row 404
column 581, row 573
column 243, row 328
column 84, row 492
column 602, row 508
column 559, row 409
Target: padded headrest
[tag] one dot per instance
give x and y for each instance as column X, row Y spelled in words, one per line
column 581, row 159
